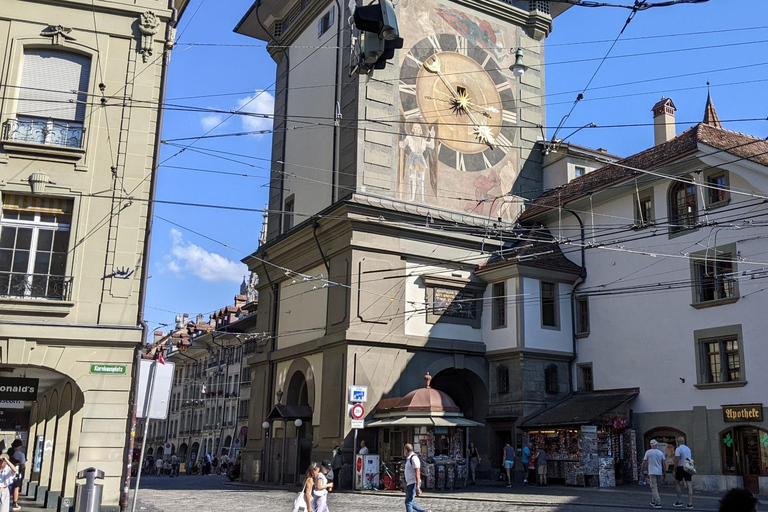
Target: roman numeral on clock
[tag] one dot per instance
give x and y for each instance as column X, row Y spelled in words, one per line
column 435, row 43
column 503, row 86
column 509, row 116
column 408, row 88
column 503, row 143
column 461, row 45
column 460, row 165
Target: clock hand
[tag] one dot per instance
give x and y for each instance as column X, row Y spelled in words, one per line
column 468, row 103
column 481, row 131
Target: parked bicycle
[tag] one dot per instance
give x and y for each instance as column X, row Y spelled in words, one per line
column 388, row 478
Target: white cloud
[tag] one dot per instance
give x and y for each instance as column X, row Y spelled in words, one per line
column 211, row 121
column 261, row 102
column 188, row 258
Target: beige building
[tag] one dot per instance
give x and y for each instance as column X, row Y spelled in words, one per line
column 78, row 150
column 377, row 220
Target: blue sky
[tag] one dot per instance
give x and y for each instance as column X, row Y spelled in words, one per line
column 724, row 42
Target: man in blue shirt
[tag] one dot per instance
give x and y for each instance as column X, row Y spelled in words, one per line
column 509, row 461
column 526, row 459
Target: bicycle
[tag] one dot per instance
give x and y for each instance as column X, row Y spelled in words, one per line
column 388, row 478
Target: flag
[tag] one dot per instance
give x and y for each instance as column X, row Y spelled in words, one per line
column 203, row 389
column 160, row 358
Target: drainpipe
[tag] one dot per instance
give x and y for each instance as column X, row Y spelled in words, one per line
column 579, row 282
column 285, row 104
column 337, row 90
column 273, row 345
column 145, row 257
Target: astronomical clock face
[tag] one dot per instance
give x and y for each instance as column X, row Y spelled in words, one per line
column 458, row 88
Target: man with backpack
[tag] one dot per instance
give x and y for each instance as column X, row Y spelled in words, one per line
column 412, row 479
column 19, row 459
column 682, row 477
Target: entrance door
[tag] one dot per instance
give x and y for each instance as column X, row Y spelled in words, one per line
column 751, row 462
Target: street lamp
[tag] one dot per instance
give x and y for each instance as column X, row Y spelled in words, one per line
column 267, row 444
column 518, row 68
column 298, row 424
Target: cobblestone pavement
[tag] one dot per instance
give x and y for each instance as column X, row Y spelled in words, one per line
column 193, row 493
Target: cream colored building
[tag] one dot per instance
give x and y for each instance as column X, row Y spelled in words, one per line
column 77, row 160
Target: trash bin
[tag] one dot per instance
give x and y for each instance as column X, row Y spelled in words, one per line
column 88, row 495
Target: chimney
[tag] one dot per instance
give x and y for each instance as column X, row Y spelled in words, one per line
column 663, row 121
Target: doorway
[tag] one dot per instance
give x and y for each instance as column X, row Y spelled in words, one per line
column 745, row 453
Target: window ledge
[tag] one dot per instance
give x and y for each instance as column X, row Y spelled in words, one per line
column 715, row 385
column 580, row 335
column 719, row 204
column 713, row 303
column 35, row 306
column 57, row 153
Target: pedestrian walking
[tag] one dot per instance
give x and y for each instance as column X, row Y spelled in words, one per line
column 338, row 463
column 508, row 454
column 528, row 466
column 738, row 500
column 7, row 476
column 304, row 501
column 174, row 465
column 207, row 464
column 412, row 479
column 474, row 460
column 654, row 461
column 363, row 448
column 190, row 467
column 321, row 488
column 541, row 466
column 159, row 467
column 19, row 459
column 682, row 477
column 215, row 465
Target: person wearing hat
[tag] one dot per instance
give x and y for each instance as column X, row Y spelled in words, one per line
column 7, row 476
column 655, row 462
column 320, row 491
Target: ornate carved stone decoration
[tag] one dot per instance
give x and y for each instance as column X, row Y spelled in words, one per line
column 149, row 24
column 57, row 33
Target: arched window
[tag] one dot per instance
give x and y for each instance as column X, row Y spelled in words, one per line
column 502, row 379
column 551, row 379
column 683, row 206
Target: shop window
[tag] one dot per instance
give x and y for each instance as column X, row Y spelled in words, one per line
column 325, row 23
column 717, row 189
column 683, row 206
column 582, row 316
column 720, row 357
column 551, row 383
column 499, row 301
column 34, row 242
column 288, row 210
column 502, row 379
column 714, row 277
column 728, row 451
column 644, row 215
column 549, row 305
column 586, row 380
column 52, row 99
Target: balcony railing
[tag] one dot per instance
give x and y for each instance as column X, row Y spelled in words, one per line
column 46, row 131
column 38, row 286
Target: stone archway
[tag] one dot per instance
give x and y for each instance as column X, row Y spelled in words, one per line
column 183, row 451
column 300, row 384
column 194, row 452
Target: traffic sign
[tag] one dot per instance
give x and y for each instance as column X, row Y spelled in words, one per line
column 358, row 394
column 358, row 424
column 357, row 412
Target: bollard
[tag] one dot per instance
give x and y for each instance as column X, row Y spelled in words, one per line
column 88, row 495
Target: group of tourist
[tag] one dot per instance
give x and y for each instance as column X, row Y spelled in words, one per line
column 206, row 465
column 13, row 462
column 534, row 461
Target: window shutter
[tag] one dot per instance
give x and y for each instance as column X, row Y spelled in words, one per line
column 48, row 78
column 330, row 16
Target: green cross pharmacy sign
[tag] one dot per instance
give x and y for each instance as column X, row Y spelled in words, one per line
column 109, row 369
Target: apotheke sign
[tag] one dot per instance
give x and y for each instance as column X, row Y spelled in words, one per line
column 743, row 412
column 12, row 388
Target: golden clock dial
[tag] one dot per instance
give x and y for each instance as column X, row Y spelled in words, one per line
column 459, row 90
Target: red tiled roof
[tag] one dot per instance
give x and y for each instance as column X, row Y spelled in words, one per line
column 536, row 248
column 734, row 143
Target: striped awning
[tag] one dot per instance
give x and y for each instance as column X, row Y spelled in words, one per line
column 38, row 204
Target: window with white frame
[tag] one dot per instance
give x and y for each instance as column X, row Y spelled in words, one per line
column 34, row 242
column 582, row 315
column 579, row 171
column 52, row 98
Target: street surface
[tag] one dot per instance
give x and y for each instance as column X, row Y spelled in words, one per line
column 193, row 493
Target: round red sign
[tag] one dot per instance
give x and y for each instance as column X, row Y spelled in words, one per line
column 244, row 430
column 357, row 412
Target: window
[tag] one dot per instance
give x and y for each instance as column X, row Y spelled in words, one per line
column 34, row 241
column 579, row 171
column 644, row 215
column 720, row 357
column 502, row 379
column 325, row 23
column 499, row 305
column 288, row 213
column 551, row 384
column 582, row 316
column 52, row 99
column 586, row 380
column 713, row 274
column 683, row 206
column 717, row 189
column 549, row 300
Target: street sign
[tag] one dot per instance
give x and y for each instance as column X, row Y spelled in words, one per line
column 167, row 449
column 358, row 394
column 109, row 369
column 356, row 424
column 357, row 412
column 161, row 390
column 244, row 430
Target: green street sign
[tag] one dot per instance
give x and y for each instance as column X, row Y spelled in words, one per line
column 109, row 369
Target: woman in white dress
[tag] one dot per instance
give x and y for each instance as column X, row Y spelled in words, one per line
column 320, row 492
column 304, row 501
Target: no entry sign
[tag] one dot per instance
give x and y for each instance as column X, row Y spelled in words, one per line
column 357, row 412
